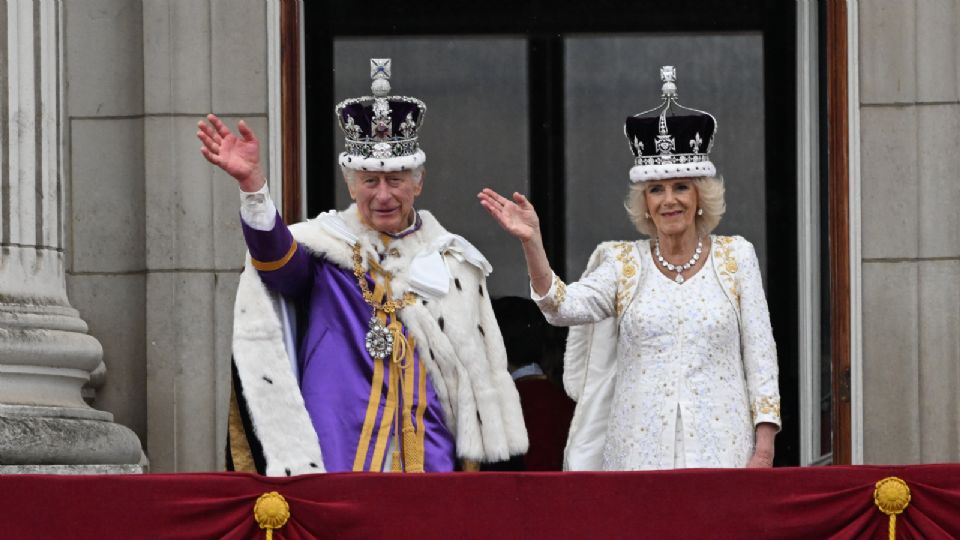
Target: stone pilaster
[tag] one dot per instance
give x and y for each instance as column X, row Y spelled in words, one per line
column 46, row 355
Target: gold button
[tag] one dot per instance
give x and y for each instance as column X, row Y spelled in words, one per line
column 394, row 252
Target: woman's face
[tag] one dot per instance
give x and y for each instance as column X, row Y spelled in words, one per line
column 672, row 205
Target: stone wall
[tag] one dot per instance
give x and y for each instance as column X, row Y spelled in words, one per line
column 156, row 245
column 105, row 202
column 910, row 196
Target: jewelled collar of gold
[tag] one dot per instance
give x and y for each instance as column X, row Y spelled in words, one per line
column 379, row 340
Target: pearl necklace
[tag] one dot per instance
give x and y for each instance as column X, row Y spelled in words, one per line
column 679, row 268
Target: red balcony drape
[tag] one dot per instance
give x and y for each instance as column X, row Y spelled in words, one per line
column 794, row 503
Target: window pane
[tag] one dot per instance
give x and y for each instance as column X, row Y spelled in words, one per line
column 474, row 134
column 610, row 78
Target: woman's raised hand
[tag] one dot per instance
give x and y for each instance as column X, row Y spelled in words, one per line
column 238, row 156
column 517, row 217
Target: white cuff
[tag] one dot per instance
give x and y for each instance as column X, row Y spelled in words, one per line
column 766, row 410
column 549, row 294
column 257, row 209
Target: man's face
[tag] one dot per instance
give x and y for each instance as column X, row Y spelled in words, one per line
column 385, row 199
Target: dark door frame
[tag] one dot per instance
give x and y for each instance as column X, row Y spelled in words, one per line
column 290, row 128
column 838, row 219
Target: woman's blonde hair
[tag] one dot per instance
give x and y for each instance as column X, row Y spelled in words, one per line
column 709, row 198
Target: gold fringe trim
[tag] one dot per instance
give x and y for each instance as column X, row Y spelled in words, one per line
column 412, row 450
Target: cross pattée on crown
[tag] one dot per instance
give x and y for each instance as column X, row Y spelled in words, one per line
column 668, row 74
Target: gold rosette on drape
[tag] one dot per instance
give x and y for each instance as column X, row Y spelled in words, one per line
column 892, row 496
column 271, row 512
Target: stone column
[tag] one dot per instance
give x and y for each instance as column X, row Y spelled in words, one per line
column 46, row 355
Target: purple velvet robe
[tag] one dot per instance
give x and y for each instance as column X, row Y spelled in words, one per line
column 336, row 370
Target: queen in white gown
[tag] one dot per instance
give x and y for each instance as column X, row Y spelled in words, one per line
column 671, row 356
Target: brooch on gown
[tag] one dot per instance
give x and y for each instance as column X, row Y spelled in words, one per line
column 379, row 338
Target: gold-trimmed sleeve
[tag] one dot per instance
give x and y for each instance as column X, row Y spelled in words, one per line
column 270, row 266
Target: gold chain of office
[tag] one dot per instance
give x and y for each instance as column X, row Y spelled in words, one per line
column 390, row 305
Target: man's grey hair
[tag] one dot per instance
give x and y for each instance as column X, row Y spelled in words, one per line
column 350, row 175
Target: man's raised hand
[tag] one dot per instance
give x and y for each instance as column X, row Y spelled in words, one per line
column 238, row 156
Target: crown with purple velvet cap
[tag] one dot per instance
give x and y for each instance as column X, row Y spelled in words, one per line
column 670, row 140
column 380, row 131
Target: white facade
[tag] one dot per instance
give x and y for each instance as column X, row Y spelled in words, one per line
column 151, row 250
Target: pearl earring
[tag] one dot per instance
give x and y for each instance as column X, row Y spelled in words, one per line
column 646, row 215
column 699, row 211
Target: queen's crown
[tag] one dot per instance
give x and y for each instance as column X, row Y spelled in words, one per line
column 666, row 144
